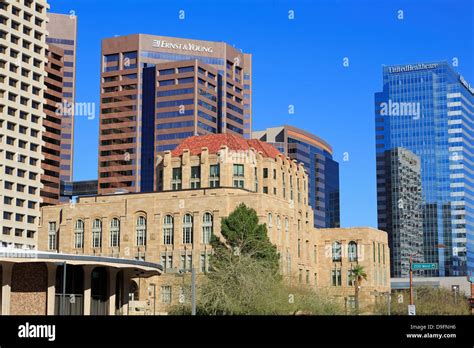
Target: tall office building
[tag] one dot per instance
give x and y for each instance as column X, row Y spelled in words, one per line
column 22, row 76
column 155, row 92
column 62, row 32
column 53, row 95
column 323, row 171
column 400, row 208
column 428, row 108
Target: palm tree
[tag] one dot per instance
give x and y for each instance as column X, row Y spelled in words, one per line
column 357, row 276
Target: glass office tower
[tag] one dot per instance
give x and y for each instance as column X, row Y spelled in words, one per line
column 323, row 171
column 214, row 97
column 428, row 108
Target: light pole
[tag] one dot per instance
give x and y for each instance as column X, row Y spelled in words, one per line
column 411, row 281
column 470, row 279
column 193, row 285
column 193, row 291
column 63, row 306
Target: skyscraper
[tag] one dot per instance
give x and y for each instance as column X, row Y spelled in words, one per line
column 400, row 208
column 427, row 108
column 62, row 32
column 155, row 92
column 22, row 84
column 323, row 171
column 51, row 163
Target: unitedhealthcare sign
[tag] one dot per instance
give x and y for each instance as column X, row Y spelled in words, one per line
column 179, row 46
column 411, row 67
column 466, row 84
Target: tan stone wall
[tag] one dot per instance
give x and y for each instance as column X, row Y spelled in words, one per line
column 290, row 228
column 29, row 288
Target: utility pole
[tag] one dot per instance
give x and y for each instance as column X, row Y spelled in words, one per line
column 470, row 279
column 63, row 309
column 193, row 291
column 389, row 302
column 411, row 281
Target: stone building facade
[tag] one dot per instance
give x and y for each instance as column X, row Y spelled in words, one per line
column 202, row 181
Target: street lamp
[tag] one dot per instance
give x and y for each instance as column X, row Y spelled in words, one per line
column 193, row 284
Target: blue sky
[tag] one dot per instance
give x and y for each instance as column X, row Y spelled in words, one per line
column 295, row 62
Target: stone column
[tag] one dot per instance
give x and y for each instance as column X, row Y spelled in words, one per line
column 87, row 269
column 6, row 287
column 125, row 291
column 112, row 279
column 167, row 171
column 51, row 292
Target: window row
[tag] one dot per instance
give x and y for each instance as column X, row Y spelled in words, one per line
column 168, row 231
column 352, row 251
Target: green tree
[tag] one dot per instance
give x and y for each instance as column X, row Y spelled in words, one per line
column 243, row 235
column 357, row 276
column 244, row 278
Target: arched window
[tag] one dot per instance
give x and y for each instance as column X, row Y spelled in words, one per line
column 336, row 251
column 287, row 225
column 187, row 229
column 141, row 231
column 206, row 228
column 168, row 230
column 79, row 234
column 270, row 218
column 97, row 233
column 278, row 222
column 352, row 251
column 115, row 232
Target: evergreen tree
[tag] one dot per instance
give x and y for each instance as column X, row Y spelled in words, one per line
column 243, row 235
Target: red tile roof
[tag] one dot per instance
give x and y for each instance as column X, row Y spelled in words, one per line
column 214, row 142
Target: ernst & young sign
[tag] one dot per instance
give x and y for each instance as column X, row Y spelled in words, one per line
column 180, row 46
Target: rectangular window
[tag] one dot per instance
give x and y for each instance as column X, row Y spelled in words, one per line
column 166, row 71
column 189, row 262
column 350, row 280
column 203, row 263
column 214, row 175
column 265, row 173
column 52, row 236
column 238, row 175
column 185, row 80
column 166, row 294
column 256, row 179
column 195, row 177
column 336, row 277
column 176, row 179
column 185, row 69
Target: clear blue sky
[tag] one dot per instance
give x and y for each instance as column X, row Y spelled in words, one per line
column 295, row 62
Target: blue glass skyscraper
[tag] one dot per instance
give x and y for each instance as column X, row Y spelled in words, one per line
column 322, row 169
column 428, row 108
